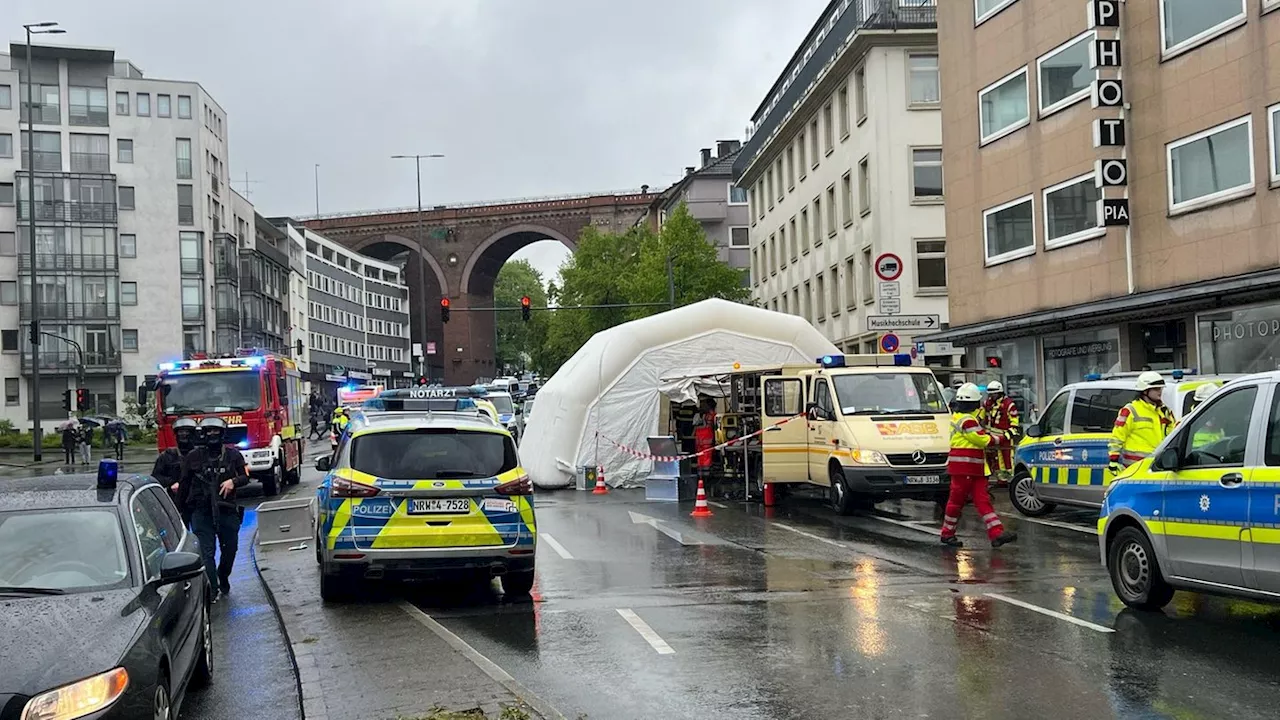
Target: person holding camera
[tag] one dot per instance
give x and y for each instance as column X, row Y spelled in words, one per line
column 211, row 474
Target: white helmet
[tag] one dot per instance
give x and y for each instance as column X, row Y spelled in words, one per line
column 995, row 387
column 1204, row 392
column 1150, row 379
column 968, row 392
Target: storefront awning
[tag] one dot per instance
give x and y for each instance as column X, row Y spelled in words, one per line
column 1206, row 295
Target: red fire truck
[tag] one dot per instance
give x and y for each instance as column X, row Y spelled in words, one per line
column 260, row 396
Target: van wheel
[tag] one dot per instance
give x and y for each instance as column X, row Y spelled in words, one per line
column 271, row 481
column 1022, row 494
column 841, row 499
column 1135, row 575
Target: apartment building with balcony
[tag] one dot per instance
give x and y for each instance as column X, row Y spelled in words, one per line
column 715, row 201
column 843, row 166
column 127, row 175
column 1111, row 178
column 251, row 284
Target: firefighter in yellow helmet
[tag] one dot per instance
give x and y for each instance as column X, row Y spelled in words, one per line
column 1140, row 425
column 999, row 415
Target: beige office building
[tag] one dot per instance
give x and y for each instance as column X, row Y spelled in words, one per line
column 1176, row 261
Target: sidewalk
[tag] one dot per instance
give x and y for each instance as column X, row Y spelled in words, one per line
column 15, row 462
column 381, row 659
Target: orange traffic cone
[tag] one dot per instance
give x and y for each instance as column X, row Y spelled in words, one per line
column 700, row 508
column 601, row 488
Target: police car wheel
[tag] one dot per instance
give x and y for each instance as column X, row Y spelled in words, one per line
column 517, row 584
column 334, row 585
column 1136, row 577
column 1023, row 497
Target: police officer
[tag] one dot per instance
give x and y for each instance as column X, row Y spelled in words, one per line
column 211, row 473
column 1140, row 425
column 168, row 467
column 999, row 415
column 966, row 464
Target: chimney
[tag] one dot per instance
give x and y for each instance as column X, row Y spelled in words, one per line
column 689, row 170
column 706, row 156
column 725, row 148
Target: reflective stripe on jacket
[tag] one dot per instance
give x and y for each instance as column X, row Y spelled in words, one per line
column 1000, row 417
column 968, row 439
column 1140, row 427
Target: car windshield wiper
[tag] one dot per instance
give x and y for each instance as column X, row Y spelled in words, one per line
column 17, row 590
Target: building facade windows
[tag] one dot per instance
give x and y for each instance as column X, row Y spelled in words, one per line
column 926, row 174
column 144, row 105
column 931, row 266
column 1002, row 106
column 162, row 106
column 1071, row 212
column 860, row 92
column 1273, row 125
column 984, row 9
column 128, row 293
column 868, row 285
column 923, row 79
column 1063, row 74
column 184, row 107
column 1211, row 166
column 1009, row 230
column 6, row 97
column 1185, row 24
column 128, row 246
column 851, row 283
column 6, row 145
column 864, row 185
column 129, row 341
column 739, row 237
column 126, row 197
column 122, row 103
column 737, row 195
column 124, row 150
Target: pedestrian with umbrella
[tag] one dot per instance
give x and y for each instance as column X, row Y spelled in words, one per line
column 116, row 432
column 85, row 436
column 68, row 430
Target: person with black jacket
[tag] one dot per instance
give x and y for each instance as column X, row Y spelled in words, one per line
column 168, row 468
column 211, row 474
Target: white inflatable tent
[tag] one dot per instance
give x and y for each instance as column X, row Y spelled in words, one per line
column 613, row 384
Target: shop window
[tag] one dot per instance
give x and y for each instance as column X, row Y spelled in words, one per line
column 1242, row 340
column 1211, row 166
column 1064, row 74
column 1185, row 24
column 1003, row 106
column 1094, row 409
column 1071, row 357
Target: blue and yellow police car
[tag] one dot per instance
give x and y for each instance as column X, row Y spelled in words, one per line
column 1203, row 512
column 423, row 485
column 1062, row 460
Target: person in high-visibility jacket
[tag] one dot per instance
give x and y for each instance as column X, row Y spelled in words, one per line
column 966, row 464
column 1140, row 425
column 999, row 415
column 1208, row 431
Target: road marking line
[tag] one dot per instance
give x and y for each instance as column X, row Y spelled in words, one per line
column 646, row 632
column 1059, row 524
column 657, row 524
column 1050, row 613
column 486, row 665
column 722, row 506
column 809, row 535
column 555, row 545
column 906, row 524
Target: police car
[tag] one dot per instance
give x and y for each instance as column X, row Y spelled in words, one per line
column 1062, row 459
column 424, row 485
column 1203, row 512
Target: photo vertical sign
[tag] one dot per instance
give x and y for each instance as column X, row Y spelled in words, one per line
column 1109, row 130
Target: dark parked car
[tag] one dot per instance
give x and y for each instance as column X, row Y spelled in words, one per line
column 103, row 600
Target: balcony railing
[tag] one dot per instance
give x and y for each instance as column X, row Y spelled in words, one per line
column 192, row 266
column 88, row 115
column 250, row 283
column 47, row 114
column 74, row 212
column 67, row 362
column 72, row 311
column 90, row 162
column 45, row 160
column 193, row 313
column 898, row 14
column 68, row 262
column 229, row 272
column 186, row 215
column 227, row 317
column 253, row 324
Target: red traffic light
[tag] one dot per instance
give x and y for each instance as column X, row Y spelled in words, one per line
column 993, row 361
column 422, row 380
column 525, row 301
column 444, row 302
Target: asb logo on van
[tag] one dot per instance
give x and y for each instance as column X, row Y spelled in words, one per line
column 892, row 429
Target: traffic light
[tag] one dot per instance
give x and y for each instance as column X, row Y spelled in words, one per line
column 422, row 380
column 993, row 361
column 444, row 309
column 525, row 308
column 82, row 399
column 66, row 400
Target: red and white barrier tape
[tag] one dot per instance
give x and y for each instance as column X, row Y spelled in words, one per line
column 677, row 458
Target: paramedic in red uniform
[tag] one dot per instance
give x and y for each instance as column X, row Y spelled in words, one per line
column 1000, row 416
column 966, row 464
column 704, row 435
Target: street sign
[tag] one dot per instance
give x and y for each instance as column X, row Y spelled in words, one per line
column 890, row 289
column 889, row 305
column 889, row 342
column 431, row 348
column 882, row 323
column 888, row 267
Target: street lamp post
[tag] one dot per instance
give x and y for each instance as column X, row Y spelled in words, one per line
column 417, row 163
column 42, row 28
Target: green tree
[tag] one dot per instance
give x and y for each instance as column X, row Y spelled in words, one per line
column 696, row 270
column 518, row 339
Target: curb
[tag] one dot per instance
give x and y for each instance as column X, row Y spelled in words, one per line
column 275, row 607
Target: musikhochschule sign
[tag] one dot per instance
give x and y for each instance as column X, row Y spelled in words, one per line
column 1062, row 352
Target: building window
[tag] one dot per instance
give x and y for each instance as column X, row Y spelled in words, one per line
column 1009, row 230
column 755, row 266
column 804, row 231
column 755, row 203
column 184, row 107
column 9, row 340
column 6, row 97
column 144, row 104
column 122, row 103
column 11, row 388
column 832, row 222
column 923, row 80
column 737, row 196
column 829, row 127
column 162, row 106
column 128, row 293
column 782, row 192
column 1273, row 133
column 926, row 174
column 126, row 201
column 186, row 205
column 782, row 240
column 820, row 300
column 6, row 145
column 8, row 244
column 90, row 153
column 864, row 185
column 804, row 308
column 1211, row 166
column 6, row 193
column 804, row 168
column 128, row 246
column 817, row 222
column 931, row 266
column 1064, row 74
column 795, row 234
column 8, row 292
column 851, row 283
column 844, row 111
column 860, row 93
column 1003, row 106
column 129, row 341
column 846, row 198
column 1071, row 212
column 773, row 255
column 124, row 150
column 814, row 140
column 182, row 151
column 768, row 185
column 739, row 237
column 1184, row 24
column 984, row 9
column 868, row 285
column 791, row 168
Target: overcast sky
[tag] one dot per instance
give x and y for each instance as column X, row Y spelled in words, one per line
column 524, row 97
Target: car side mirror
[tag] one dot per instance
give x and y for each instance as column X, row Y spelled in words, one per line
column 324, row 463
column 1170, row 459
column 1033, row 431
column 180, row 566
